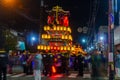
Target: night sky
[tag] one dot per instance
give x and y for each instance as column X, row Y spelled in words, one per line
column 26, row 14
column 81, row 14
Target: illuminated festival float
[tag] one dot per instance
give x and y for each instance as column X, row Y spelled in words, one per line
column 57, row 33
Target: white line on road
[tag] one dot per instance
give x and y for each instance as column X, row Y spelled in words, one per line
column 18, row 75
column 29, row 75
column 9, row 74
column 73, row 75
column 87, row 76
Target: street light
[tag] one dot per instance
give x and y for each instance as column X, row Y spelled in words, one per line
column 8, row 3
column 83, row 40
column 33, row 38
column 101, row 38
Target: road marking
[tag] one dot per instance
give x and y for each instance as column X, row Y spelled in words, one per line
column 29, row 75
column 9, row 74
column 33, row 75
column 73, row 75
column 18, row 75
column 87, row 76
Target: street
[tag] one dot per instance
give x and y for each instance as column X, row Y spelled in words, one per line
column 71, row 76
column 60, row 40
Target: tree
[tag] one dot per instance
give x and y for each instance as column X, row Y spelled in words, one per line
column 10, row 40
column 2, row 39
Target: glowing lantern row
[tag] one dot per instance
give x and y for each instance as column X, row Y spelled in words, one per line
column 43, row 47
column 58, row 28
column 46, row 28
column 46, row 36
column 69, row 37
column 61, row 28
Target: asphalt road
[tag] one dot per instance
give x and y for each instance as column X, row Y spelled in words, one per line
column 72, row 76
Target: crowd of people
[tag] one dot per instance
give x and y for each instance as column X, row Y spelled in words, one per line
column 61, row 62
column 48, row 63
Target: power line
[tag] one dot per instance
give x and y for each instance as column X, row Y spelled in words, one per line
column 92, row 24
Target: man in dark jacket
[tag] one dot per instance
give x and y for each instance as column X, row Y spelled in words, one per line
column 46, row 64
column 80, row 64
column 3, row 64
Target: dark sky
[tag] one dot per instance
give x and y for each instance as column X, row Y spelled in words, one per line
column 26, row 14
column 81, row 12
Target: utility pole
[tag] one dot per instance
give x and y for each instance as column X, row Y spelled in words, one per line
column 119, row 18
column 111, row 66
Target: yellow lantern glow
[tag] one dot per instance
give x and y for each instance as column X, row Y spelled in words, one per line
column 48, row 28
column 69, row 29
column 61, row 28
column 45, row 28
column 64, row 28
column 61, row 48
column 66, row 37
column 72, row 48
column 58, row 28
column 45, row 36
column 48, row 37
column 38, row 47
column 48, row 47
column 69, row 37
column 68, row 48
column 54, row 27
column 41, row 47
column 44, row 47
column 63, row 37
column 65, row 48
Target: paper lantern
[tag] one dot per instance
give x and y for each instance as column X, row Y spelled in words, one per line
column 38, row 47
column 41, row 47
column 45, row 28
column 65, row 48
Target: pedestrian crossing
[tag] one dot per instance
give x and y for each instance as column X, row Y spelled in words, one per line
column 18, row 75
column 72, row 75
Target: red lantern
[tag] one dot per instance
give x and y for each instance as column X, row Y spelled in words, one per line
column 65, row 21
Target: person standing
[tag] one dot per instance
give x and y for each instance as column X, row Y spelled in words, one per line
column 50, row 63
column 87, row 62
column 10, row 62
column 3, row 64
column 96, row 61
column 46, row 64
column 80, row 64
column 117, row 63
column 29, row 64
column 23, row 60
column 37, row 66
